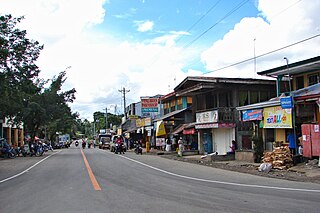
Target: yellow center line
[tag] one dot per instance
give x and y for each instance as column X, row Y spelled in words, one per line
column 91, row 175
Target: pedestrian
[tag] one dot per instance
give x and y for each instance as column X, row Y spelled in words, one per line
column 291, row 139
column 232, row 147
column 174, row 144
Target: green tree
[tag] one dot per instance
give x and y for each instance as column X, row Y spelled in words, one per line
column 18, row 71
column 48, row 109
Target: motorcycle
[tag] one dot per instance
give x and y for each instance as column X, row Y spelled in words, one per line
column 119, row 148
column 138, row 149
column 47, row 147
column 7, row 151
column 36, row 149
column 21, row 150
column 77, row 143
column 83, row 145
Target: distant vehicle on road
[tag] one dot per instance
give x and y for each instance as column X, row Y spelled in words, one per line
column 104, row 140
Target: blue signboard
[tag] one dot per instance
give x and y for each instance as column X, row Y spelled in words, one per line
column 252, row 115
column 149, row 109
column 286, row 103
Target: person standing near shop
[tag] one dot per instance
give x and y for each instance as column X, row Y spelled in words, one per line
column 174, row 144
column 180, row 144
column 291, row 139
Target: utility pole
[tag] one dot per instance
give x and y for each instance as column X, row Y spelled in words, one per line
column 124, row 91
column 106, row 119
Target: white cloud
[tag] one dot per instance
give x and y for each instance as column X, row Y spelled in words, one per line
column 282, row 23
column 144, row 26
column 101, row 64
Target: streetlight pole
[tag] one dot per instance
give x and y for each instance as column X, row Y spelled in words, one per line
column 287, row 61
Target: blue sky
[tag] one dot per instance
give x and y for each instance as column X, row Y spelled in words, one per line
column 147, row 46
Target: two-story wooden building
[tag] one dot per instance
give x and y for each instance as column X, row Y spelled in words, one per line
column 215, row 118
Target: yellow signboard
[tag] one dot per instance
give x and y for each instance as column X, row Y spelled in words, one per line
column 276, row 117
column 161, row 130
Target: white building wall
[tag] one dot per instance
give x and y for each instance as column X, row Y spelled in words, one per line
column 222, row 138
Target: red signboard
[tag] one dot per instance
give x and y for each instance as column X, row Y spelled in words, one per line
column 149, row 104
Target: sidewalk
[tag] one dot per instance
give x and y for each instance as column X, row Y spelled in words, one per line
column 303, row 172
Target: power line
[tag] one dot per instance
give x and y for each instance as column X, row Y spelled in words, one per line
column 204, row 15
column 224, row 17
column 259, row 56
column 191, row 27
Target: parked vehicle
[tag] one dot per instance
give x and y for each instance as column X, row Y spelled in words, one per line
column 6, row 150
column 47, row 147
column 21, row 151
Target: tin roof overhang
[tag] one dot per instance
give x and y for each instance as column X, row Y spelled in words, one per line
column 260, row 105
column 309, row 65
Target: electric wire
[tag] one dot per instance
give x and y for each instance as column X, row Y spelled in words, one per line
column 259, row 56
column 215, row 24
column 204, row 15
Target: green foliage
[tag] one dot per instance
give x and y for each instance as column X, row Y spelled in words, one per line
column 23, row 95
column 18, row 71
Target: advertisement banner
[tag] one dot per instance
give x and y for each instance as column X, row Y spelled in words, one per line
column 149, row 104
column 160, row 128
column 207, row 117
column 252, row 115
column 277, row 117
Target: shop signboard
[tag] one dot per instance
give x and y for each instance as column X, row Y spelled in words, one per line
column 277, row 117
column 149, row 105
column 138, row 123
column 147, row 121
column 160, row 129
column 286, row 103
column 252, row 115
column 207, row 117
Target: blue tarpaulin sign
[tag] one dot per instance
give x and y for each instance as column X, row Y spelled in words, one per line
column 286, row 103
column 252, row 115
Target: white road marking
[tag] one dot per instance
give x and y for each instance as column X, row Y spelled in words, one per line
column 222, row 182
column 27, row 170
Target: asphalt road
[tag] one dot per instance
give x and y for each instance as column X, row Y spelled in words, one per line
column 142, row 183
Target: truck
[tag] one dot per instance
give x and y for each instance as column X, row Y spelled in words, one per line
column 64, row 141
column 104, row 140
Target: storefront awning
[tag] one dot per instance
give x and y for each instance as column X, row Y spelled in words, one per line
column 130, row 130
column 178, row 129
column 214, row 125
column 272, row 102
column 170, row 114
column 307, row 93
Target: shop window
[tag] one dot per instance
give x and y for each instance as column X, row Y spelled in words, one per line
column 299, row 82
column 313, row 79
column 305, row 112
